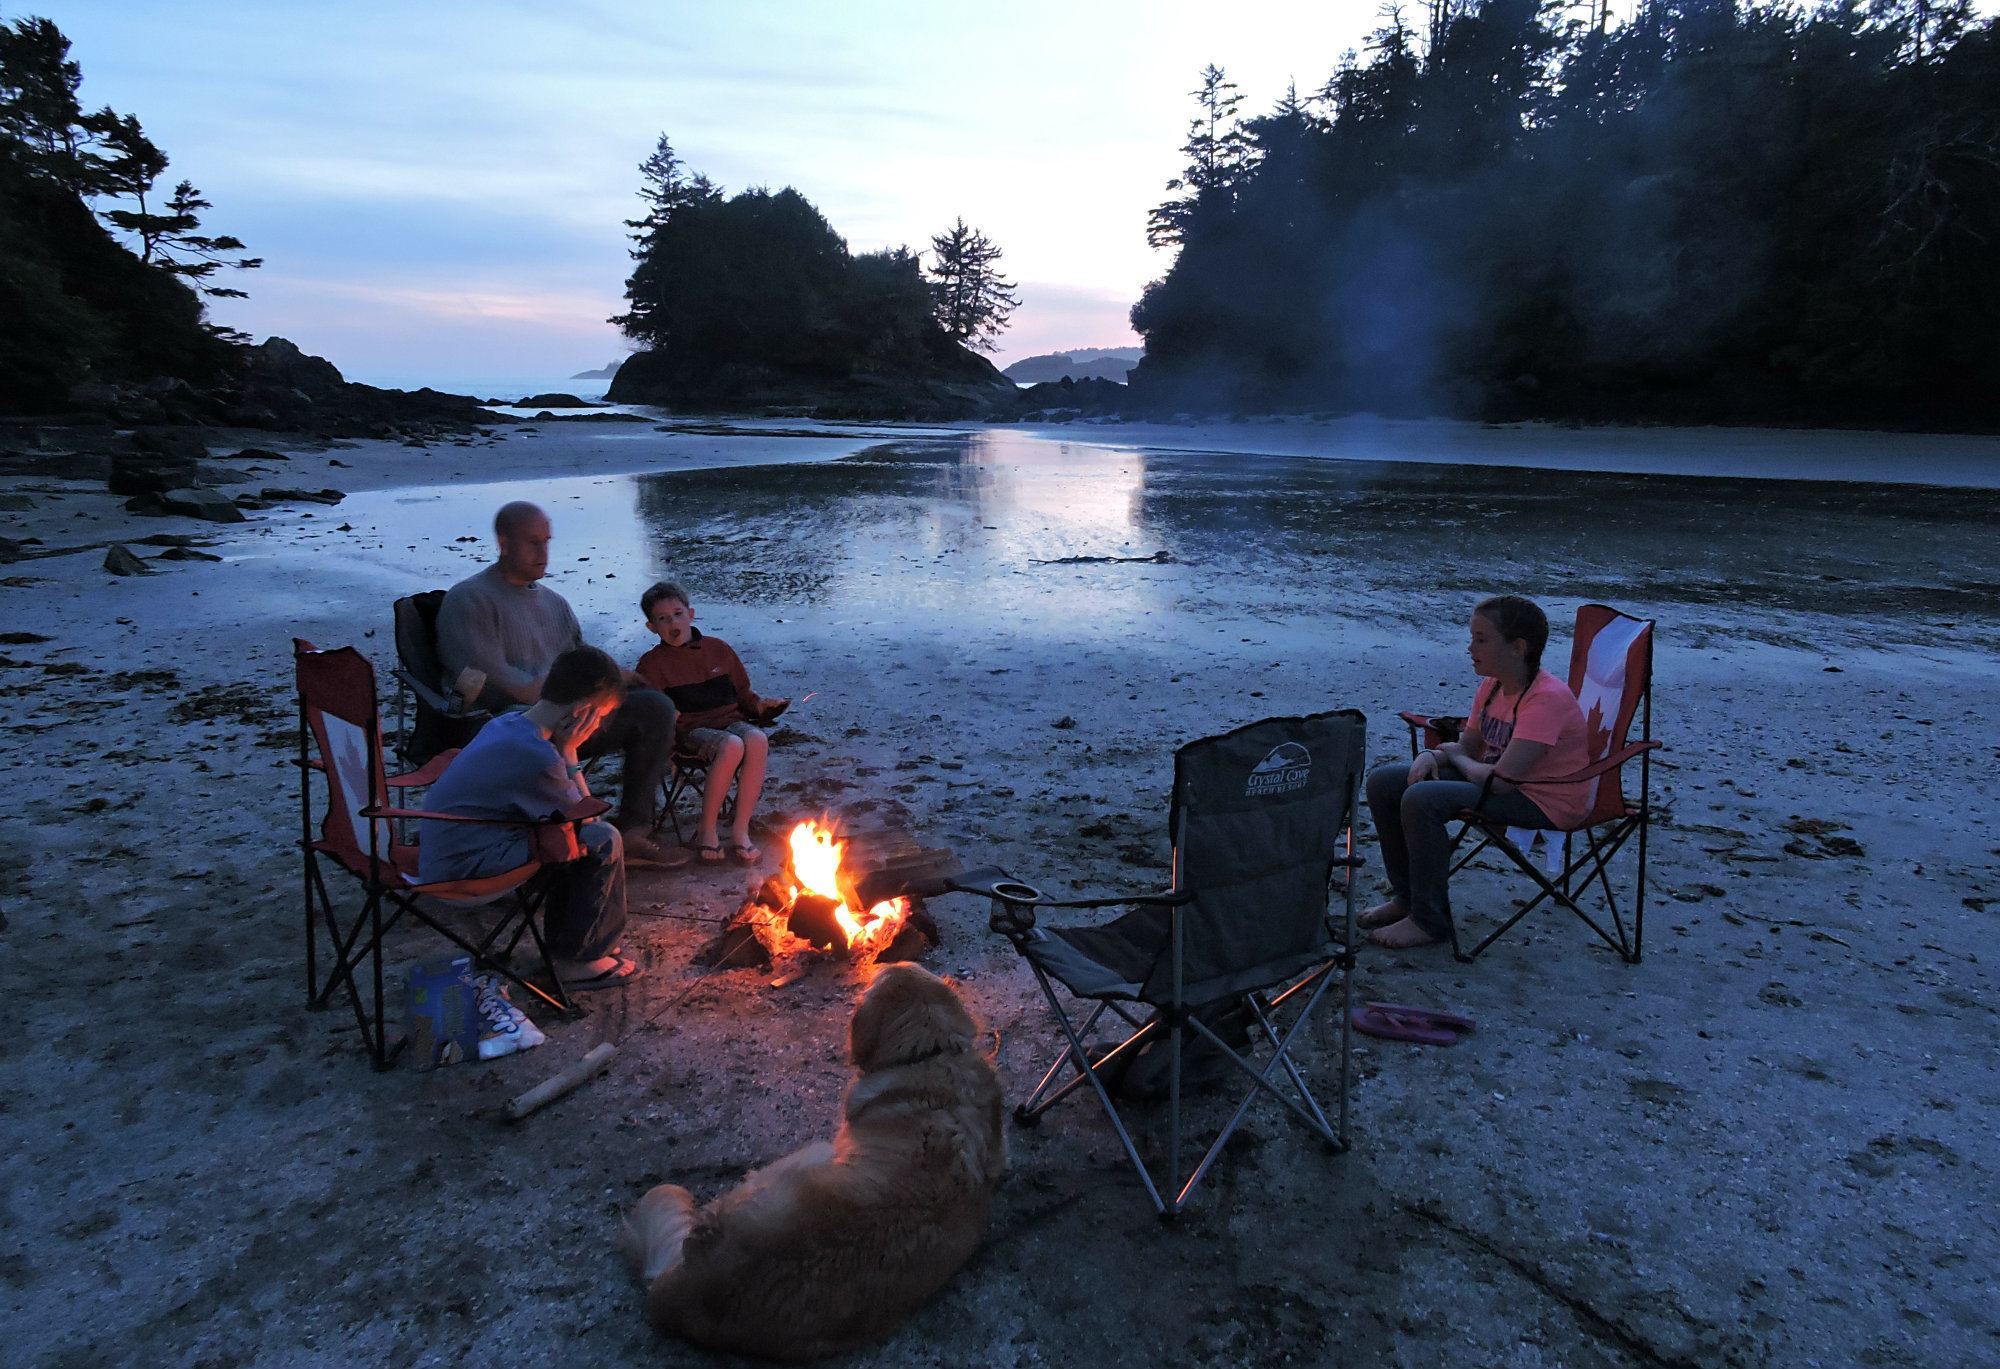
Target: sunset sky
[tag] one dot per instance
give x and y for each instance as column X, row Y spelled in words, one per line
column 437, row 188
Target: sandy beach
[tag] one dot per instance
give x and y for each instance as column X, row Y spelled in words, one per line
column 1771, row 1142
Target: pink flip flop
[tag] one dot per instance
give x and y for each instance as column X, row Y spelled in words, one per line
column 1397, row 1022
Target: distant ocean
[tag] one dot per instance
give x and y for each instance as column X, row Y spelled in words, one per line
column 490, row 386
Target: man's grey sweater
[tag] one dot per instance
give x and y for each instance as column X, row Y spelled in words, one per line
column 511, row 632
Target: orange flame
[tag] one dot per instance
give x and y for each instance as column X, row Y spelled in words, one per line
column 815, row 868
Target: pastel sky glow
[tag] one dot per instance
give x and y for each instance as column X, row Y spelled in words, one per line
column 437, row 189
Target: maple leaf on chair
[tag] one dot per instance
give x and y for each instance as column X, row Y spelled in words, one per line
column 1594, row 730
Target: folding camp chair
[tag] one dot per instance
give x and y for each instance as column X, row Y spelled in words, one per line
column 340, row 739
column 429, row 718
column 687, row 773
column 1611, row 674
column 1261, row 818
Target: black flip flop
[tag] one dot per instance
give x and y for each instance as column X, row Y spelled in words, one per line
column 617, row 977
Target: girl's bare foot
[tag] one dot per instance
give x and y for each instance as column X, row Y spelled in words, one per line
column 1382, row 914
column 1402, row 936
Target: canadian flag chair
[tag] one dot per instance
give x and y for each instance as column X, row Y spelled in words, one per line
column 359, row 838
column 1611, row 674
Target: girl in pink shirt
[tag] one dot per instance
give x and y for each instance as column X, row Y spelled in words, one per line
column 1524, row 730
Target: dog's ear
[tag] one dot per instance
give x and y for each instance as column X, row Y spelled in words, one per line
column 907, row 1014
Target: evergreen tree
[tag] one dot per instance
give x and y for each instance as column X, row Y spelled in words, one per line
column 1217, row 151
column 666, row 188
column 970, row 300
column 1729, row 210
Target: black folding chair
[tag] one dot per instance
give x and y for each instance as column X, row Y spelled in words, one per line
column 429, row 718
column 1262, row 818
column 687, row 773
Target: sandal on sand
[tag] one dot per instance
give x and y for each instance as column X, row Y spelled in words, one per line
column 643, row 853
column 1425, row 1026
column 745, row 852
column 619, row 975
column 710, row 854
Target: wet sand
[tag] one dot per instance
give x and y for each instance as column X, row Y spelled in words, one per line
column 1770, row 1142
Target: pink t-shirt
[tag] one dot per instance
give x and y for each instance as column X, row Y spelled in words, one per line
column 1547, row 712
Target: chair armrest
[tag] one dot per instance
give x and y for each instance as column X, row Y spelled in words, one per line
column 427, row 773
column 1631, row 751
column 581, row 811
column 1171, row 898
column 991, row 882
column 1428, row 723
column 373, row 811
column 449, row 704
column 1588, row 773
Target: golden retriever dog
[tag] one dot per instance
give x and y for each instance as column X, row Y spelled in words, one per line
column 832, row 1247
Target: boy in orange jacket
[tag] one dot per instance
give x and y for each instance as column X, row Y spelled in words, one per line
column 719, row 716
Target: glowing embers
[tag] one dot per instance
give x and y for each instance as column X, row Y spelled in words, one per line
column 813, row 905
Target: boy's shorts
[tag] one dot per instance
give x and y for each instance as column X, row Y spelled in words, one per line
column 706, row 742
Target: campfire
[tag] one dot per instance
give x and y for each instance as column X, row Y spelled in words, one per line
column 824, row 904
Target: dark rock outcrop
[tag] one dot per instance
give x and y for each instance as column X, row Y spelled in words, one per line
column 199, row 501
column 950, row 383
column 158, row 459
column 1063, row 400
column 553, row 401
column 120, row 560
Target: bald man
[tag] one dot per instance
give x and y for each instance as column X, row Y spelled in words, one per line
column 505, row 624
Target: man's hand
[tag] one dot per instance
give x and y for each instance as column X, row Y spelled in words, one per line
column 1424, row 767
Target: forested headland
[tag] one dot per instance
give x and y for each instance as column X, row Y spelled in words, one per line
column 1711, row 212
column 106, row 274
column 754, row 301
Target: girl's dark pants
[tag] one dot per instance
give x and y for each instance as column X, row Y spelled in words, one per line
column 1411, row 822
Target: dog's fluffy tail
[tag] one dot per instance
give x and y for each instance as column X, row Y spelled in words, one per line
column 655, row 1229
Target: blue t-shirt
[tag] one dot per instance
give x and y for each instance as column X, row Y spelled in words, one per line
column 509, row 770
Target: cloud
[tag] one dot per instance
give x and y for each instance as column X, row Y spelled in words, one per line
column 465, row 166
column 1055, row 317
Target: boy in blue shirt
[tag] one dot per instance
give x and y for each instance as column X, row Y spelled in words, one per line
column 524, row 765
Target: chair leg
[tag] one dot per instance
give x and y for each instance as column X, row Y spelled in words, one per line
column 482, row 956
column 1595, row 859
column 381, row 1042
column 1262, row 1082
column 1097, row 1086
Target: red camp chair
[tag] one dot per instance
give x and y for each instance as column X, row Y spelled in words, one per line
column 360, row 835
column 1611, row 674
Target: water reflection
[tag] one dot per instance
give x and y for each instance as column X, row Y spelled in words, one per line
column 938, row 526
column 955, row 527
column 960, row 536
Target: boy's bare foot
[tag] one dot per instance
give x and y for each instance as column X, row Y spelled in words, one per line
column 1402, row 936
column 1382, row 914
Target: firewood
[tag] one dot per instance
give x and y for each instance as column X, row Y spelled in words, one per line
column 812, row 920
column 922, row 873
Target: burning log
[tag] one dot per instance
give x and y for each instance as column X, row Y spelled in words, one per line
column 816, row 903
column 815, row 918
column 738, row 946
column 918, row 934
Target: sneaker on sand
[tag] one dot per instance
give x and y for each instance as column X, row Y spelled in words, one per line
column 643, row 852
